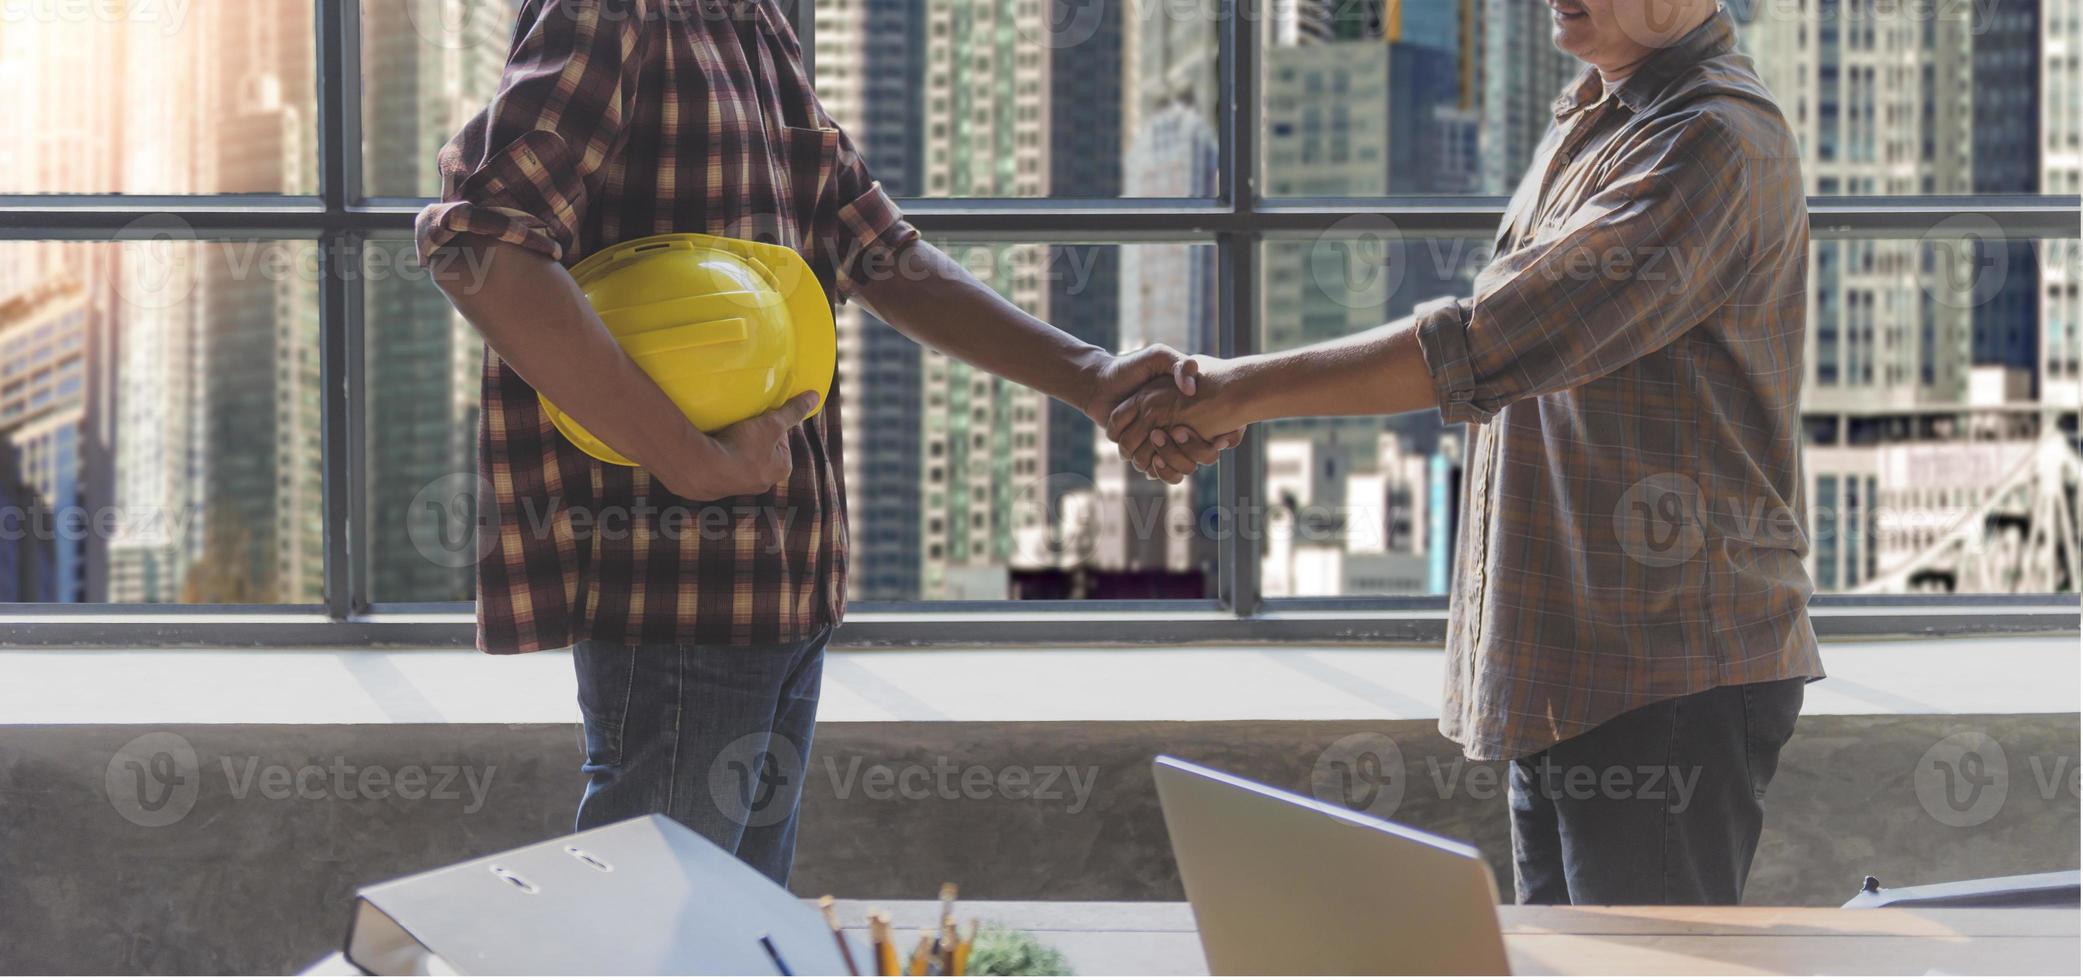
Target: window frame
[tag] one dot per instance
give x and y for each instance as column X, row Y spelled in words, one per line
column 1237, row 221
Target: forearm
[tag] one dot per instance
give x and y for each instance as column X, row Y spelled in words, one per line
column 533, row 314
column 1379, row 372
column 934, row 300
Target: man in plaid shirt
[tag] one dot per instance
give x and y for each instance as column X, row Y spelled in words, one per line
column 1629, row 620
column 697, row 589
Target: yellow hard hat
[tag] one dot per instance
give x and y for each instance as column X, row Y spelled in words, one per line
column 728, row 328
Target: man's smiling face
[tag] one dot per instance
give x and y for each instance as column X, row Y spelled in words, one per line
column 1615, row 35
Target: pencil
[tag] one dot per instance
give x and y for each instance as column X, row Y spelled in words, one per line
column 947, row 899
column 962, row 949
column 885, row 945
column 921, row 954
column 838, row 934
column 944, row 948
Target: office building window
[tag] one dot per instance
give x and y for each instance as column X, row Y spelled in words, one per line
column 209, row 308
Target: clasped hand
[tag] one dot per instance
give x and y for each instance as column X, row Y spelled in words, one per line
column 1166, row 411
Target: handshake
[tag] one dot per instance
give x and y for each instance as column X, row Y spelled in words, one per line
column 1167, row 412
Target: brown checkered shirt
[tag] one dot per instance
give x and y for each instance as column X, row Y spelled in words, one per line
column 617, row 119
column 1631, row 365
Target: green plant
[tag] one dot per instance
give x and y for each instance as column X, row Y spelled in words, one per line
column 1003, row 952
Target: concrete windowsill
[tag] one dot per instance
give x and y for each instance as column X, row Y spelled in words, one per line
column 1212, row 683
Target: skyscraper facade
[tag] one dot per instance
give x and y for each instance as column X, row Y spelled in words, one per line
column 2005, row 134
column 870, row 70
column 2061, row 172
column 424, row 79
column 1522, row 73
column 1008, row 114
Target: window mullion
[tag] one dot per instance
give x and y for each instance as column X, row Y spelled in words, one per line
column 1238, row 483
column 338, row 24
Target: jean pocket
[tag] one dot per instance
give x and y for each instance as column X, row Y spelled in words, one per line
column 1770, row 712
column 607, row 674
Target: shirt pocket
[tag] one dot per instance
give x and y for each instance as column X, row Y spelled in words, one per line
column 804, row 162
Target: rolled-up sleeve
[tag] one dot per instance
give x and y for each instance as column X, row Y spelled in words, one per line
column 1651, row 254
column 869, row 229
column 527, row 168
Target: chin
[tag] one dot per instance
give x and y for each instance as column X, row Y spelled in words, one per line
column 1571, row 42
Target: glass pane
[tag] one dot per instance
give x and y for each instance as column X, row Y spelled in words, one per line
column 1369, row 505
column 424, row 364
column 428, row 66
column 173, row 98
column 1011, row 98
column 1005, row 98
column 1940, row 413
column 159, row 402
column 960, row 486
column 1383, row 97
column 964, row 486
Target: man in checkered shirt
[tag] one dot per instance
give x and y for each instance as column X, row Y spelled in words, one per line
column 698, row 588
column 1628, row 624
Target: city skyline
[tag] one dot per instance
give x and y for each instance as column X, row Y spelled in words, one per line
column 1934, row 393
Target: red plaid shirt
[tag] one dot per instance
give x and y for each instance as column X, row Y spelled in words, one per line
column 1631, row 367
column 618, row 119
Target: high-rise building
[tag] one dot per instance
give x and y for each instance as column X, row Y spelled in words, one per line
column 1881, row 100
column 1522, row 73
column 1171, row 60
column 44, row 420
column 1327, row 135
column 1426, row 123
column 870, row 69
column 1922, row 439
column 997, row 123
column 2061, row 172
column 423, row 361
column 1085, row 138
column 157, row 375
column 1169, row 295
column 84, row 115
column 2006, row 140
column 28, row 562
column 263, row 537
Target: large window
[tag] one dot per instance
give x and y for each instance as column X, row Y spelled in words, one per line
column 210, row 311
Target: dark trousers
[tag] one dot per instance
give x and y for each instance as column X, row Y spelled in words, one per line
column 715, row 737
column 1659, row 806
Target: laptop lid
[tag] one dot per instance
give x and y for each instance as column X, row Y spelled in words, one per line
column 1283, row 884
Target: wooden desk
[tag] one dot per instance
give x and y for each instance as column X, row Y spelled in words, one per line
column 1157, row 938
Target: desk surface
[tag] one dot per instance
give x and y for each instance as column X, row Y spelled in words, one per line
column 1157, row 938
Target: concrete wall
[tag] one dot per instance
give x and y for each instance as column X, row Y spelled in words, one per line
column 230, row 862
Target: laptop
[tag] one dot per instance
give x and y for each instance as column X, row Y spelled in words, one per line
column 1282, row 884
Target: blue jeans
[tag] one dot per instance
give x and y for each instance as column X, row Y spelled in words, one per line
column 715, row 737
column 1659, row 806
